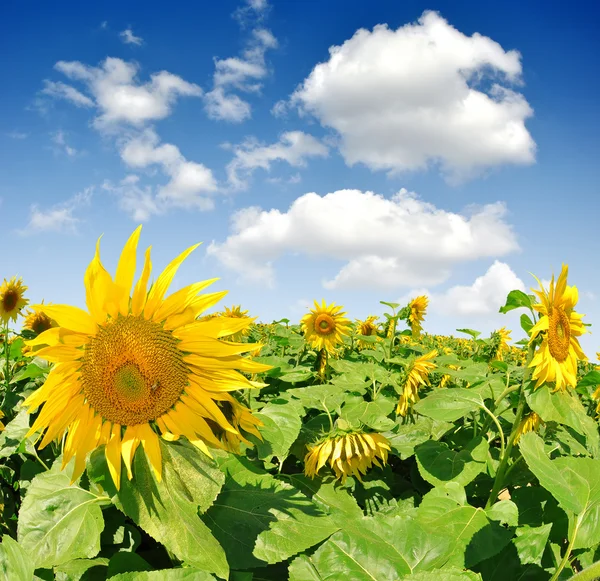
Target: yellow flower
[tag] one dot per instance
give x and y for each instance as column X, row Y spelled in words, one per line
column 12, row 299
column 235, row 312
column 417, row 374
column 350, row 454
column 596, row 398
column 325, row 327
column 367, row 328
column 559, row 325
column 38, row 321
column 502, row 337
column 446, row 378
column 530, row 423
column 138, row 364
column 1, row 424
column 418, row 307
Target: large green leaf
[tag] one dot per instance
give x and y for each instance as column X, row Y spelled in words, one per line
column 370, row 413
column 13, row 434
column 188, row 574
column 438, row 464
column 59, row 521
column 168, row 510
column 531, row 543
column 517, row 299
column 261, row 520
column 445, row 574
column 15, row 562
column 414, row 431
column 82, row 570
column 282, row 422
column 564, row 408
column 449, row 404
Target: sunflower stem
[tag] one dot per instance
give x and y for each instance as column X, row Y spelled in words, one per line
column 565, row 559
column 501, row 471
column 589, row 574
column 7, row 366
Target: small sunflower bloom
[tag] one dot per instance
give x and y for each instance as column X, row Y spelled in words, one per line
column 350, row 454
column 417, row 375
column 325, row 327
column 12, row 299
column 38, row 321
column 555, row 360
column 235, row 312
column 530, row 423
column 367, row 328
column 501, row 338
column 138, row 364
column 418, row 308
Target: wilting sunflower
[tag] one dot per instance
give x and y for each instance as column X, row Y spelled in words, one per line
column 418, row 307
column 137, row 365
column 12, row 299
column 235, row 312
column 559, row 326
column 325, row 327
column 500, row 347
column 367, row 328
column 417, row 374
column 530, row 423
column 350, row 454
column 38, row 321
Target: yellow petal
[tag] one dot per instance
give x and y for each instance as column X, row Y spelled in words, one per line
column 113, row 455
column 180, row 300
column 138, row 300
column 129, row 445
column 99, row 290
column 126, row 271
column 151, row 446
column 69, row 317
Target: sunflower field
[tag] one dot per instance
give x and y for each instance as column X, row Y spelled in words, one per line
column 155, row 437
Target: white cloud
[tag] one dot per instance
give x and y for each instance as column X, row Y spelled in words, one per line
column 420, row 95
column 119, row 96
column 58, row 218
column 293, row 147
column 384, row 243
column 60, row 90
column 241, row 73
column 137, row 201
column 128, row 37
column 17, row 135
column 251, row 11
column 59, row 139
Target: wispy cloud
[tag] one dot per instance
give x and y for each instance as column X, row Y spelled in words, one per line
column 128, row 37
column 59, row 139
column 17, row 135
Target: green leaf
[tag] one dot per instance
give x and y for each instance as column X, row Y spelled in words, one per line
column 59, row 521
column 168, row 510
column 16, row 563
column 449, row 404
column 591, row 378
column 564, row 408
column 282, row 423
column 13, row 434
column 125, row 562
column 471, row 332
column 82, row 570
column 297, row 374
column 531, row 543
column 31, row 371
column 261, row 520
column 187, row 574
column 515, row 300
column 438, row 464
column 445, row 574
column 320, row 397
column 504, row 511
column 526, row 323
column 414, row 431
column 391, row 305
column 370, row 413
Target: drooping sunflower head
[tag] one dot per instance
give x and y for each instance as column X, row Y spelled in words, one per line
column 349, row 454
column 418, row 308
column 530, row 423
column 500, row 347
column 368, row 327
column 417, row 374
column 12, row 299
column 555, row 359
column 38, row 321
column 325, row 327
column 137, row 364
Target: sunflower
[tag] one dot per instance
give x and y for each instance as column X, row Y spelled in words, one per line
column 559, row 326
column 135, row 366
column 38, row 321
column 417, row 374
column 350, row 454
column 325, row 327
column 367, row 328
column 500, row 339
column 418, row 307
column 235, row 312
column 530, row 423
column 12, row 299
column 1, row 424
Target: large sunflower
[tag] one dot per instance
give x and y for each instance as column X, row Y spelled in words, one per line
column 134, row 366
column 325, row 326
column 559, row 326
column 12, row 299
column 418, row 307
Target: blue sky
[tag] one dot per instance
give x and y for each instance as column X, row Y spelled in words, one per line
column 353, row 151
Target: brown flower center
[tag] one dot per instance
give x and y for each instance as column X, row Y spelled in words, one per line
column 559, row 334
column 10, row 299
column 132, row 371
column 324, row 324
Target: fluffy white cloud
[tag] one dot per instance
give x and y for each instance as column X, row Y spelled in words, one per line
column 128, row 37
column 293, row 147
column 419, row 95
column 58, row 218
column 189, row 185
column 60, row 90
column 243, row 73
column 136, row 200
column 119, row 96
column 385, row 243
